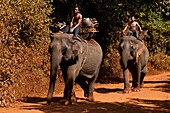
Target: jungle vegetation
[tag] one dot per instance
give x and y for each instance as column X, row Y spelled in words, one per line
column 26, row 27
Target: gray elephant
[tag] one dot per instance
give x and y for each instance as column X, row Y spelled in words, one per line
column 79, row 61
column 134, row 58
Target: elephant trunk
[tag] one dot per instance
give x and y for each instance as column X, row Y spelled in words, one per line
column 56, row 57
column 125, row 58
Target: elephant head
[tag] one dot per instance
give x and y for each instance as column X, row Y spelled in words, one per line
column 66, row 47
column 71, row 50
column 129, row 46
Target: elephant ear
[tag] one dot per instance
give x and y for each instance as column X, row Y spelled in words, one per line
column 76, row 49
column 139, row 48
column 66, row 51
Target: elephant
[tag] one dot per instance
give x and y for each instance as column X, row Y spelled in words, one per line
column 134, row 58
column 79, row 61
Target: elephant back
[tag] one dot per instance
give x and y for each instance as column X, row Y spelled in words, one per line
column 93, row 45
column 92, row 42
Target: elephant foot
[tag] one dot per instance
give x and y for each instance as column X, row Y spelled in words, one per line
column 73, row 99
column 65, row 102
column 48, row 102
column 86, row 94
column 134, row 85
column 90, row 99
column 137, row 89
column 141, row 86
column 127, row 90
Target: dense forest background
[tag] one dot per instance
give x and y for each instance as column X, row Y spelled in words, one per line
column 26, row 27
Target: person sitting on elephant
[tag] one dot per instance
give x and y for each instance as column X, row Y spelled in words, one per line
column 76, row 22
column 133, row 31
column 133, row 27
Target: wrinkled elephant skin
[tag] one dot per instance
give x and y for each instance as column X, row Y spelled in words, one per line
column 79, row 62
column 129, row 48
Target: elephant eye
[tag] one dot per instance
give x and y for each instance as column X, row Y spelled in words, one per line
column 131, row 47
column 64, row 51
column 131, row 41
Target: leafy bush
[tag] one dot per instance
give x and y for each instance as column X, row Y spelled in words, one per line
column 110, row 70
column 158, row 36
column 160, row 62
column 24, row 32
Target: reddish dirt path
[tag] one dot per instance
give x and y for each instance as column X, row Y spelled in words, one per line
column 154, row 97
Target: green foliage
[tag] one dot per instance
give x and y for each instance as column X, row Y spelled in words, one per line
column 158, row 35
column 110, row 70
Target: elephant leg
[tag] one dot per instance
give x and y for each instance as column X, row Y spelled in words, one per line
column 53, row 73
column 141, row 80
column 91, row 89
column 137, row 88
column 91, row 85
column 68, row 91
column 82, row 82
column 127, row 88
column 134, row 78
column 73, row 97
column 51, row 88
column 69, row 76
column 143, row 74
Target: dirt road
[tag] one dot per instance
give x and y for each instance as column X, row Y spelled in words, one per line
column 154, row 97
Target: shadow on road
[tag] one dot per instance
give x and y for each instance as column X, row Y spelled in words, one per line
column 160, row 106
column 107, row 90
column 38, row 100
column 164, row 85
column 133, row 105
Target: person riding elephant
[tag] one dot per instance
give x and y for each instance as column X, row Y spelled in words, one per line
column 76, row 22
column 133, row 32
column 133, row 27
column 79, row 62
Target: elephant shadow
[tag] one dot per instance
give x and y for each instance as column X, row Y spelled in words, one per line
column 39, row 99
column 107, row 90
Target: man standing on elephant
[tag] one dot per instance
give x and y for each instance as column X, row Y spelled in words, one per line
column 76, row 22
column 133, row 27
